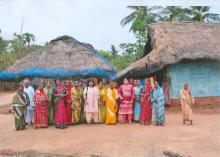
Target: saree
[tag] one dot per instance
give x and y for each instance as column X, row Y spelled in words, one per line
column 187, row 100
column 67, row 101
column 60, row 119
column 48, row 92
column 137, row 105
column 41, row 111
column 157, row 99
column 76, row 96
column 101, row 105
column 19, row 102
column 146, row 110
column 111, row 96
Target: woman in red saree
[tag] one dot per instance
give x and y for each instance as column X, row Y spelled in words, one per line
column 126, row 94
column 68, row 102
column 60, row 92
column 40, row 111
column 146, row 110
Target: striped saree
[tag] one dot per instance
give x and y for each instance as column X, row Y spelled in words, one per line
column 157, row 98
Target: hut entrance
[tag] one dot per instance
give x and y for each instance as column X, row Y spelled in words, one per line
column 158, row 76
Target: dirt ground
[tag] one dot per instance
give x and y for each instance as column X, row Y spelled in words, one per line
column 6, row 97
column 121, row 140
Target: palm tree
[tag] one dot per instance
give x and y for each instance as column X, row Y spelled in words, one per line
column 28, row 38
column 114, row 51
column 140, row 14
column 201, row 13
column 173, row 13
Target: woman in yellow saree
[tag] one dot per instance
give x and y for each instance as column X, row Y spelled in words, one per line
column 101, row 90
column 76, row 96
column 111, row 96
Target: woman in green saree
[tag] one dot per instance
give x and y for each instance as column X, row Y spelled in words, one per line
column 83, row 114
column 102, row 107
column 19, row 103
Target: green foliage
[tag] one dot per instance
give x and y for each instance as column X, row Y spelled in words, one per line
column 120, row 62
column 16, row 48
column 142, row 16
column 201, row 13
column 104, row 53
column 135, row 49
column 114, row 51
column 174, row 13
column 6, row 59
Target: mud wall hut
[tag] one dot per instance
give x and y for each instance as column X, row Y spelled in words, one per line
column 185, row 52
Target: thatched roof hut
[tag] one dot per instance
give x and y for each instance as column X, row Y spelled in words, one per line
column 172, row 42
column 63, row 57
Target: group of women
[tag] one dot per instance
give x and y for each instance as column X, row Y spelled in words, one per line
column 69, row 103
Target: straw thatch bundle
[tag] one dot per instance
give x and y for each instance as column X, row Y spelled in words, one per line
column 172, row 42
column 60, row 58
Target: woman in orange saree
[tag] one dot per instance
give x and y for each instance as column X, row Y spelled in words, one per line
column 110, row 98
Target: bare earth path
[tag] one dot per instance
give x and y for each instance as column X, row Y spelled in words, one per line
column 200, row 140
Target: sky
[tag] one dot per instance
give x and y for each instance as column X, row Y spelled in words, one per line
column 93, row 21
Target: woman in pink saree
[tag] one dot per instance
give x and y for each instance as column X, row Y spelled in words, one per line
column 126, row 94
column 60, row 92
column 68, row 101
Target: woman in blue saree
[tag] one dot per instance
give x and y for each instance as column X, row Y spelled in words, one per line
column 157, row 98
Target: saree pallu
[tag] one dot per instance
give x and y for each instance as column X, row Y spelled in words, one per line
column 137, row 105
column 51, row 113
column 68, row 112
column 101, row 106
column 186, row 103
column 20, row 121
column 41, row 110
column 60, row 119
column 50, row 107
column 67, row 101
column 76, row 111
column 146, row 108
column 137, row 110
column 146, row 111
column 158, row 113
column 111, row 97
column 18, row 109
column 76, row 96
column 187, row 112
column 82, row 113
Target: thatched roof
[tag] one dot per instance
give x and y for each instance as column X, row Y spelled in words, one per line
column 62, row 57
column 172, row 42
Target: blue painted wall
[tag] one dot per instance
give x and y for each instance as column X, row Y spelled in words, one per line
column 202, row 76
